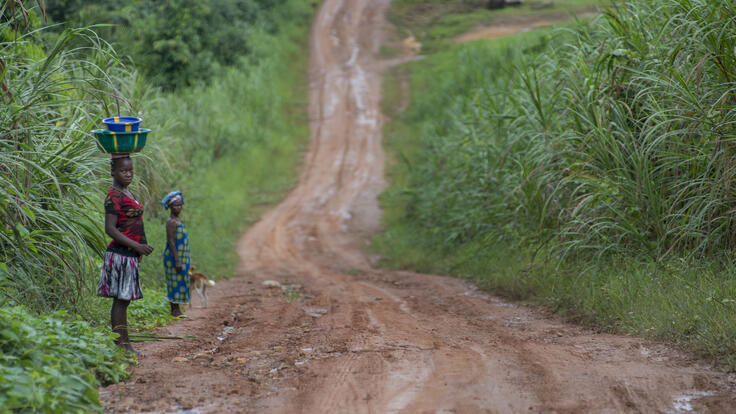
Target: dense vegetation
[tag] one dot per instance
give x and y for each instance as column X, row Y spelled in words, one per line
column 51, row 98
column 229, row 141
column 51, row 363
column 591, row 169
column 174, row 42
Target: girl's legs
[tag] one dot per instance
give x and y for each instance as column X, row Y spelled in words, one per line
column 119, row 321
column 175, row 310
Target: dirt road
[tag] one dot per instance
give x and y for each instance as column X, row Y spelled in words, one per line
column 340, row 336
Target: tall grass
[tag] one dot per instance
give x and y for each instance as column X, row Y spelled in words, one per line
column 50, row 100
column 652, row 129
column 617, row 140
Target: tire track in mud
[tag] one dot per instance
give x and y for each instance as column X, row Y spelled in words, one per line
column 363, row 340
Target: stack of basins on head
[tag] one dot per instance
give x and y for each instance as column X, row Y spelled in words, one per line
column 122, row 135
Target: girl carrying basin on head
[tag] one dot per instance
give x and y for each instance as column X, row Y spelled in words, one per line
column 119, row 277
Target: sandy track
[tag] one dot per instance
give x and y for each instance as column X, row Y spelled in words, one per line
column 355, row 339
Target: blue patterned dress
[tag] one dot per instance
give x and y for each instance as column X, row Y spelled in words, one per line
column 177, row 283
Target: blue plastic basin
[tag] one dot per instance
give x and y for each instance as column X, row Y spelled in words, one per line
column 122, row 123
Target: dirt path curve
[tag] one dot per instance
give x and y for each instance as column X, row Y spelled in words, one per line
column 344, row 337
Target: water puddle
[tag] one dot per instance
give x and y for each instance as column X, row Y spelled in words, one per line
column 225, row 333
column 271, row 284
column 652, row 354
column 514, row 321
column 474, row 292
column 682, row 403
column 314, row 312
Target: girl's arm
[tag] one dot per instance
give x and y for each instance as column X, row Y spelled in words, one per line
column 112, row 231
column 171, row 240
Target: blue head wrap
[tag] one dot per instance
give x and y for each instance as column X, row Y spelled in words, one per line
column 171, row 197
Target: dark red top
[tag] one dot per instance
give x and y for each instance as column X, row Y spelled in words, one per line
column 129, row 213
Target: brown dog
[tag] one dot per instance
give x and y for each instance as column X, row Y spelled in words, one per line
column 199, row 282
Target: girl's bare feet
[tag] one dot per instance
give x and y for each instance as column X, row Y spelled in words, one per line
column 175, row 310
column 128, row 347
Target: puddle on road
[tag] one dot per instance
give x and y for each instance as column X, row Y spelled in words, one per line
column 652, row 354
column 514, row 321
column 225, row 333
column 682, row 403
column 474, row 292
column 314, row 311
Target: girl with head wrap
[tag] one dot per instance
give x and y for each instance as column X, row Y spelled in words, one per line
column 176, row 254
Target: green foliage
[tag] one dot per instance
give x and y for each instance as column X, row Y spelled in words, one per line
column 151, row 311
column 616, row 140
column 175, row 42
column 52, row 364
column 49, row 100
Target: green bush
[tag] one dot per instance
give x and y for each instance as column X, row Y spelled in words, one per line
column 151, row 311
column 174, row 43
column 54, row 364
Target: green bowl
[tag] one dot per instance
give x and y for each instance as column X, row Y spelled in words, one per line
column 121, row 142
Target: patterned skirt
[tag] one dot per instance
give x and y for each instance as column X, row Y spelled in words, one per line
column 119, row 277
column 177, row 284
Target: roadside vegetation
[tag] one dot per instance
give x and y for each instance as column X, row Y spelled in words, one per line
column 175, row 43
column 230, row 139
column 589, row 169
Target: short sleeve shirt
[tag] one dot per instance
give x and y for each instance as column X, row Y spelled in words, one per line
column 129, row 213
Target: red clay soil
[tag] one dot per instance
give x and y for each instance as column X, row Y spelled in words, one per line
column 342, row 336
column 517, row 25
column 506, row 29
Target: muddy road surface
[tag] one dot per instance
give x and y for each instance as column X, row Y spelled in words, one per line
column 338, row 335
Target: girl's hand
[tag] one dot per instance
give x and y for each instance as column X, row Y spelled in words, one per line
column 143, row 249
column 179, row 266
